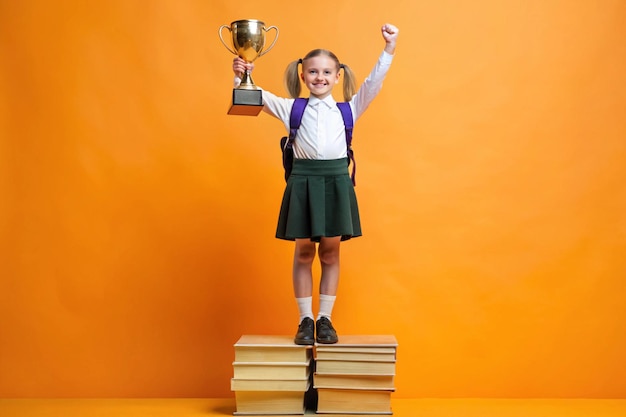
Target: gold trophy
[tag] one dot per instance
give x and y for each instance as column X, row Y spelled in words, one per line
column 248, row 39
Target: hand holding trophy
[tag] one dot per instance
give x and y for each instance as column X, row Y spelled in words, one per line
column 248, row 41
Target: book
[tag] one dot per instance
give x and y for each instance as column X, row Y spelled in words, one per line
column 339, row 401
column 372, row 382
column 357, row 354
column 363, row 341
column 269, row 402
column 332, row 366
column 269, row 384
column 271, row 370
column 262, row 348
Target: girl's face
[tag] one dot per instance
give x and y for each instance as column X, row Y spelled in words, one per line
column 320, row 74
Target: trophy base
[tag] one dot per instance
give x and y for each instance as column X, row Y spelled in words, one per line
column 246, row 102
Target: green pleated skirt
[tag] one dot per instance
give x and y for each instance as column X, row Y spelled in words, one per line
column 319, row 201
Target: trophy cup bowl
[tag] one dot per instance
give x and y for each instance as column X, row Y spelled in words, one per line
column 248, row 43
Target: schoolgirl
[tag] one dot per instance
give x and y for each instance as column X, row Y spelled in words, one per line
column 319, row 208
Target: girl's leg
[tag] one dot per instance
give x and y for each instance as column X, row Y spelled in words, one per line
column 329, row 259
column 302, row 262
column 303, row 257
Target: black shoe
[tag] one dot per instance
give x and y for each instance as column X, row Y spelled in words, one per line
column 306, row 332
column 325, row 331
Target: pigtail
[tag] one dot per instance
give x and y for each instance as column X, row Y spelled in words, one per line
column 349, row 84
column 292, row 80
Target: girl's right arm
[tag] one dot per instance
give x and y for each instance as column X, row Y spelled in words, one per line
column 239, row 67
column 278, row 107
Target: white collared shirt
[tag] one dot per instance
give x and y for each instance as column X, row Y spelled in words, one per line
column 322, row 132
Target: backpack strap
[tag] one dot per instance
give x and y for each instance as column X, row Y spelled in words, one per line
column 295, row 118
column 286, row 143
column 346, row 113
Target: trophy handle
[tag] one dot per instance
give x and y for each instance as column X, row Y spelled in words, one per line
column 219, row 31
column 272, row 45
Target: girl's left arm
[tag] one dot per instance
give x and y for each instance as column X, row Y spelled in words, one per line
column 390, row 34
column 374, row 81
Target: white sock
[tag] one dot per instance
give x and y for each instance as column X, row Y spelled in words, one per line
column 326, row 305
column 305, row 307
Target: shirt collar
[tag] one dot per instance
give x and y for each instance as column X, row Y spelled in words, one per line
column 329, row 101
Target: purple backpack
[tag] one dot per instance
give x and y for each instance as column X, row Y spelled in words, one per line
column 286, row 142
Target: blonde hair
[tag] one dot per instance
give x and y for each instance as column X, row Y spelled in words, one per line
column 292, row 78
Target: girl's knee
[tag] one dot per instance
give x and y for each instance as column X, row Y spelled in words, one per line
column 305, row 253
column 329, row 255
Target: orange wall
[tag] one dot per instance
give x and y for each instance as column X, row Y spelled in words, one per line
column 137, row 218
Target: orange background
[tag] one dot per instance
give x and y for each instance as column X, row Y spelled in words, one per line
column 137, row 218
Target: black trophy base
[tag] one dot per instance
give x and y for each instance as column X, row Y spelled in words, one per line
column 246, row 102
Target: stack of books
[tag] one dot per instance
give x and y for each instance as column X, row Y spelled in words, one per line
column 271, row 375
column 356, row 375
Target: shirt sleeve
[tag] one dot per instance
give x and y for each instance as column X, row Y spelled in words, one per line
column 371, row 86
column 278, row 107
column 273, row 105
